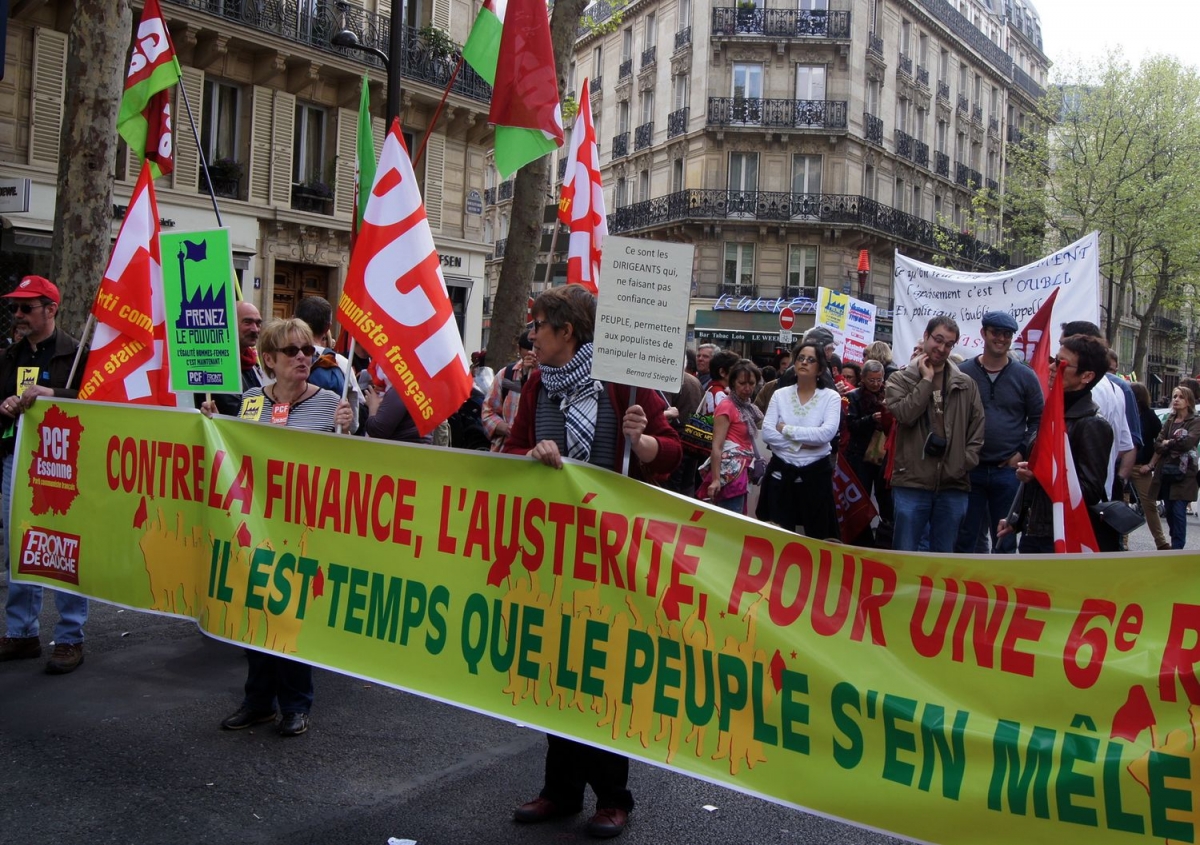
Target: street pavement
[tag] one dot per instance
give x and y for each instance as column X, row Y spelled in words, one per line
column 127, row 750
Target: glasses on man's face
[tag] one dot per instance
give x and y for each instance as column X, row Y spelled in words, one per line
column 537, row 325
column 25, row 307
column 805, row 359
column 942, row 340
column 1063, row 364
column 293, row 350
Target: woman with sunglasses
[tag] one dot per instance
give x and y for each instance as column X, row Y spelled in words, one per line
column 799, row 426
column 285, row 350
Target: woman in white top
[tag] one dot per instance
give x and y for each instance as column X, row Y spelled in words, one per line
column 800, row 424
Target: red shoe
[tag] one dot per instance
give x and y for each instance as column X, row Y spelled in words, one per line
column 542, row 809
column 607, row 823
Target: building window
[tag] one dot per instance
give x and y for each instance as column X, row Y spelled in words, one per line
column 869, row 181
column 308, row 149
column 626, row 44
column 648, row 106
column 679, row 84
column 739, row 269
column 806, row 174
column 677, row 175
column 643, row 185
column 219, row 125
column 685, row 13
column 597, row 62
column 902, row 115
column 621, row 193
column 747, row 81
column 802, row 269
column 743, row 172
column 622, row 117
column 651, row 34
column 916, row 201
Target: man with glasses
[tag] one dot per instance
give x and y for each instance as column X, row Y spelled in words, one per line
column 1012, row 407
column 939, row 419
column 249, row 325
column 37, row 364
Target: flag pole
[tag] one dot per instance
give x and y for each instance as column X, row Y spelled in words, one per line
column 83, row 342
column 347, row 374
column 438, row 111
column 628, row 440
column 550, row 258
column 212, row 195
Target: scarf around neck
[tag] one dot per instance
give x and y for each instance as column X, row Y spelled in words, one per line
column 576, row 392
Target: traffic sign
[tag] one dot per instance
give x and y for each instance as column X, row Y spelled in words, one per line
column 785, row 336
column 787, row 319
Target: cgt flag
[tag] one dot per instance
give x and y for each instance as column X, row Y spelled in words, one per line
column 144, row 120
column 127, row 362
column 395, row 303
column 1033, row 342
column 581, row 204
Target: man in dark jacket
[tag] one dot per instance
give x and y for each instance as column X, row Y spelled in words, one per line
column 1012, row 408
column 38, row 364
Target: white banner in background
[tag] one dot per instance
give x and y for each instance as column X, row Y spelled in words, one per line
column 923, row 290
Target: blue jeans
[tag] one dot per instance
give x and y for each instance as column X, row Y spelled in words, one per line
column 1177, row 521
column 737, row 504
column 24, row 604
column 993, row 489
column 915, row 509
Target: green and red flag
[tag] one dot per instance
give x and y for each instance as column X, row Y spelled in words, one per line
column 364, row 163
column 145, row 117
column 525, row 107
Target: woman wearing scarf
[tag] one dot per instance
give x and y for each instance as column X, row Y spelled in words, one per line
column 735, row 421
column 564, row 412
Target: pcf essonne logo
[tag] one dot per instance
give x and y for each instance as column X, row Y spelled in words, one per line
column 54, row 468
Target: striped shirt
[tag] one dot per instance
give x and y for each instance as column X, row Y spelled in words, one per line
column 550, row 424
column 312, row 414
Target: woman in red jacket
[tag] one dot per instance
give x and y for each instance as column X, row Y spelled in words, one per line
column 564, row 412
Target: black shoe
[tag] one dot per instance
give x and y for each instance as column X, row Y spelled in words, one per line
column 607, row 823
column 542, row 809
column 245, row 718
column 293, row 724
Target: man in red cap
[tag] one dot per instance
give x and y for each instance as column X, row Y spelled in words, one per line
column 37, row 364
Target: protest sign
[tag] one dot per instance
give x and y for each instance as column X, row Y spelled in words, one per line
column 922, row 291
column 950, row 700
column 198, row 292
column 851, row 320
column 642, row 313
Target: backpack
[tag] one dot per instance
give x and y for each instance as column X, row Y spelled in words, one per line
column 466, row 425
column 326, row 373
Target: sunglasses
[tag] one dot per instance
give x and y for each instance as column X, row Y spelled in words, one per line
column 537, row 325
column 24, row 307
column 805, row 359
column 292, row 351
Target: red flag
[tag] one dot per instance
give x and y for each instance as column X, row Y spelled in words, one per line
column 395, row 301
column 581, row 204
column 854, row 508
column 127, row 361
column 144, row 120
column 1054, row 468
column 1033, row 342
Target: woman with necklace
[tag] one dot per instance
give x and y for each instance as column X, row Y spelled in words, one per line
column 285, row 348
column 799, row 426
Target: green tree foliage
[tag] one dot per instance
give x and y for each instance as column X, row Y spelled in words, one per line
column 1121, row 156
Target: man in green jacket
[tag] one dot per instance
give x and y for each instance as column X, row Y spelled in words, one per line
column 939, row 419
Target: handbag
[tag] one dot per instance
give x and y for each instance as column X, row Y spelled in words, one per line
column 1171, row 472
column 876, row 448
column 1119, row 515
column 697, row 435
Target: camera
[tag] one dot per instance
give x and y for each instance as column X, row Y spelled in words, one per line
column 935, row 445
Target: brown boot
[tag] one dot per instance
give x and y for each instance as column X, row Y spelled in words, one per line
column 20, row 648
column 65, row 658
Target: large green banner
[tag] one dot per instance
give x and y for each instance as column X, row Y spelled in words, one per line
column 970, row 700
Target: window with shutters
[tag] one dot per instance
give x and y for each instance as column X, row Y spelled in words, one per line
column 801, row 270
column 308, row 152
column 220, row 136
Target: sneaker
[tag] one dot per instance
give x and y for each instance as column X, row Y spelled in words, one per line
column 607, row 823
column 65, row 658
column 20, row 648
column 293, row 724
column 244, row 717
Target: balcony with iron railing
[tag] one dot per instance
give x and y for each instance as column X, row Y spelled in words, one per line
column 904, row 66
column 941, row 164
column 506, row 191
column 1025, row 83
column 975, row 178
column 904, row 144
column 994, row 126
column 962, row 175
column 698, row 205
column 799, row 292
column 873, row 128
column 757, row 112
column 737, row 289
column 875, row 45
column 1014, row 134
column 977, row 114
column 499, row 247
column 489, row 196
column 943, row 91
column 562, row 168
column 594, row 85
column 683, row 38
column 781, row 23
column 677, row 122
column 921, row 153
column 923, row 77
column 992, row 185
column 642, row 136
column 964, row 105
column 625, row 70
column 961, row 26
column 315, row 24
column 620, row 147
column 597, row 14
column 649, row 56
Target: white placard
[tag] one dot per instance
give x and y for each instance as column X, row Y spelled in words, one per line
column 851, row 320
column 922, row 290
column 14, row 195
column 642, row 313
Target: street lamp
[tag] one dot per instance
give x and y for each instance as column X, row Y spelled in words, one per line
column 348, row 38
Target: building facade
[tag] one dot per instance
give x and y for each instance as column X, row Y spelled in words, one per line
column 783, row 139
column 275, row 107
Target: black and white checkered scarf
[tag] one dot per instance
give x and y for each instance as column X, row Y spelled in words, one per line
column 577, row 394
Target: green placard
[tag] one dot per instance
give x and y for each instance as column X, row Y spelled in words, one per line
column 198, row 293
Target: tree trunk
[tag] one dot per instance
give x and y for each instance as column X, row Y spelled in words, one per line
column 1162, row 285
column 96, row 63
column 531, row 193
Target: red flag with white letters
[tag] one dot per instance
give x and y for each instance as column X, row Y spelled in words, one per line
column 395, row 302
column 1033, row 342
column 581, row 203
column 127, row 361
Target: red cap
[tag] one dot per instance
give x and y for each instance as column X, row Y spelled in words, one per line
column 35, row 286
column 864, row 262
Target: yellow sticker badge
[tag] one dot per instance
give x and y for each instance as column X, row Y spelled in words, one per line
column 252, row 408
column 26, row 376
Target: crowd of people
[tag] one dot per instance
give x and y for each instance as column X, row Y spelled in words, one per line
column 941, row 446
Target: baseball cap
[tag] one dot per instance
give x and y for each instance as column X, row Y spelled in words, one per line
column 32, row 287
column 818, row 334
column 1000, row 320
